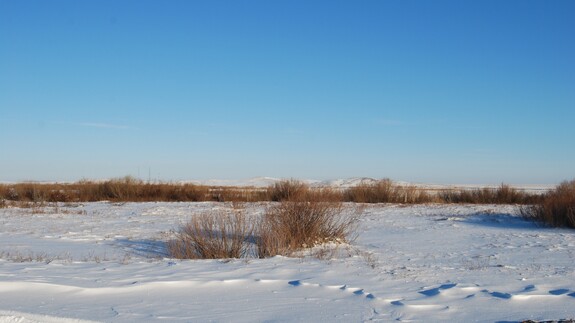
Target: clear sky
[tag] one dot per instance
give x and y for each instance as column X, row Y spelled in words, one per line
column 422, row 91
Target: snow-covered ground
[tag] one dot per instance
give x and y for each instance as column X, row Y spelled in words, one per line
column 106, row 262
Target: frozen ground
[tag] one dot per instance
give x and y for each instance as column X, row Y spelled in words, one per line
column 428, row 263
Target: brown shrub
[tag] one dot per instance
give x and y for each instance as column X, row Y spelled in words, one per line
column 237, row 194
column 287, row 190
column 557, row 208
column 379, row 192
column 386, row 191
column 504, row 194
column 186, row 192
column 291, row 226
column 125, row 188
column 213, row 236
column 59, row 195
column 323, row 194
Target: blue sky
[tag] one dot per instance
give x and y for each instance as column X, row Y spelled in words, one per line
column 422, row 91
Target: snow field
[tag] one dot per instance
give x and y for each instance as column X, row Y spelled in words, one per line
column 106, row 262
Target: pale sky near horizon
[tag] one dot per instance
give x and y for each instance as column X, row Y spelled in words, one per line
column 420, row 91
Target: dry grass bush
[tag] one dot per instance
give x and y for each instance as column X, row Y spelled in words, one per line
column 504, row 194
column 466, row 196
column 386, row 191
column 129, row 189
column 293, row 190
column 292, row 225
column 213, row 236
column 412, row 195
column 324, row 194
column 126, row 188
column 166, row 192
column 379, row 192
column 287, row 190
column 31, row 192
column 237, row 194
column 557, row 207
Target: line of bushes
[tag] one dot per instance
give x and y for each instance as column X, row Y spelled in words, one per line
column 504, row 194
column 125, row 189
column 129, row 189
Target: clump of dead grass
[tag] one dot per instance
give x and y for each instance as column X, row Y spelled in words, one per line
column 386, row 191
column 557, row 208
column 215, row 235
column 293, row 225
column 288, row 190
column 504, row 194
